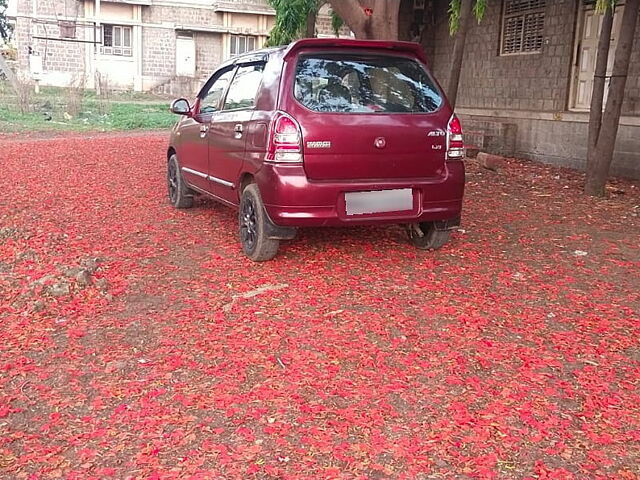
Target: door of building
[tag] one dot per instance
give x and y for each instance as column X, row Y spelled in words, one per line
column 589, row 35
column 185, row 55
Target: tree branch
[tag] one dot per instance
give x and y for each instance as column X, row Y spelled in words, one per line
column 352, row 13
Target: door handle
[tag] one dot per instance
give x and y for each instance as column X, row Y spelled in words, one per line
column 204, row 128
column 237, row 130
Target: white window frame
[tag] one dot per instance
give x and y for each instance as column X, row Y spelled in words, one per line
column 118, row 47
column 234, row 44
column 538, row 7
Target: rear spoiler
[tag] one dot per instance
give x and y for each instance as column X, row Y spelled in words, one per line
column 404, row 47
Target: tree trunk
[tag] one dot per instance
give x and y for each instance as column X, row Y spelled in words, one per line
column 599, row 82
column 605, row 143
column 458, row 51
column 311, row 24
column 369, row 19
column 4, row 68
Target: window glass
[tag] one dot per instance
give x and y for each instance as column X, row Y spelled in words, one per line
column 107, row 35
column 117, row 36
column 365, row 84
column 243, row 89
column 211, row 99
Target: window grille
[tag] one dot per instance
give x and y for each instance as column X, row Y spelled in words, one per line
column 522, row 26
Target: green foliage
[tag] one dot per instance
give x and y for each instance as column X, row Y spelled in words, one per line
column 291, row 20
column 5, row 27
column 454, row 16
column 336, row 23
column 479, row 9
column 602, row 5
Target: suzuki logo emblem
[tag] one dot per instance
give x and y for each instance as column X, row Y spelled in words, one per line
column 380, row 142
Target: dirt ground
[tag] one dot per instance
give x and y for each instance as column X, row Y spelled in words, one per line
column 139, row 343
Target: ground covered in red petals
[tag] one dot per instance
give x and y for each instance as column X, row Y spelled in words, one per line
column 138, row 341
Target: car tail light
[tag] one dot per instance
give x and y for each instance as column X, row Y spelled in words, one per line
column 455, row 143
column 285, row 144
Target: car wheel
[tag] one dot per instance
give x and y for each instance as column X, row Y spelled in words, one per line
column 253, row 227
column 179, row 194
column 432, row 238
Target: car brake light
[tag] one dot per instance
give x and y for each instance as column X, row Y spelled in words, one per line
column 455, row 143
column 285, row 142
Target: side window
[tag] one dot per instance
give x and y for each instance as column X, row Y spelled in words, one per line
column 211, row 100
column 244, row 88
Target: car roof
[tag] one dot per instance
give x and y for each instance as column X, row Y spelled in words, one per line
column 260, row 55
column 355, row 44
column 263, row 54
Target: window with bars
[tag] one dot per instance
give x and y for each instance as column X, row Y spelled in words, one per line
column 241, row 44
column 522, row 26
column 116, row 40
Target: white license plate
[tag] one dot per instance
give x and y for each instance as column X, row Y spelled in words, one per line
column 379, row 201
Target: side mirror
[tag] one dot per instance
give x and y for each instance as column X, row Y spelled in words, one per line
column 180, row 107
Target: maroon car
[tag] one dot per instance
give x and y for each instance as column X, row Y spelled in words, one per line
column 322, row 132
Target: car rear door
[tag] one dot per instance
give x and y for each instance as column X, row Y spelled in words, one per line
column 229, row 129
column 368, row 115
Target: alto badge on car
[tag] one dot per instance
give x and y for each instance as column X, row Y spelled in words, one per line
column 322, row 132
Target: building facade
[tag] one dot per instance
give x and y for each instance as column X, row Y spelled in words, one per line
column 526, row 80
column 134, row 44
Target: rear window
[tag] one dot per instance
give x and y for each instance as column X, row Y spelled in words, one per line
column 364, row 84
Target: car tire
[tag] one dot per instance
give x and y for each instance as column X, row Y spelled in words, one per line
column 179, row 194
column 432, row 239
column 252, row 219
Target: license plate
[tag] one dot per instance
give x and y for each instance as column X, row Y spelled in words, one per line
column 379, row 201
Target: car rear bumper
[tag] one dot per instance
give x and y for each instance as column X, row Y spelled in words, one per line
column 292, row 200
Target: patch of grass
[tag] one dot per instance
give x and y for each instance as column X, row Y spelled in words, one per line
column 127, row 116
column 49, row 111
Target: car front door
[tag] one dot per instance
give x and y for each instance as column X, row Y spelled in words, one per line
column 194, row 156
column 228, row 130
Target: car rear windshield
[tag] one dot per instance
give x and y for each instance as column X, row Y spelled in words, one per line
column 351, row 83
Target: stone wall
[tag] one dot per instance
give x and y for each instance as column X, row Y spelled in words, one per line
column 182, row 15
column 66, row 57
column 324, row 27
column 529, row 93
column 561, row 143
column 537, row 81
column 208, row 52
column 158, row 52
